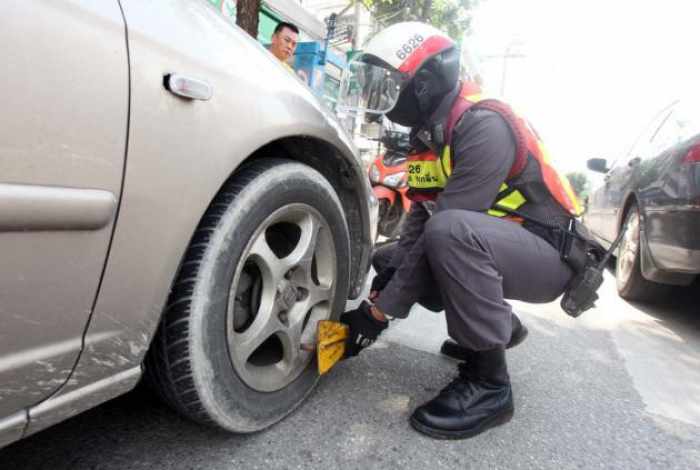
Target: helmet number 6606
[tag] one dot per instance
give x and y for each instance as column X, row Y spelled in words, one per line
column 409, row 46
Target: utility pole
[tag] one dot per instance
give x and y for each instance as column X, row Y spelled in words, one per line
column 357, row 25
column 507, row 54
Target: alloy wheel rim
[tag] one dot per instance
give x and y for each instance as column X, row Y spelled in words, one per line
column 282, row 287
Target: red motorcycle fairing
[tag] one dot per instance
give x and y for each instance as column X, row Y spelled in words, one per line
column 382, row 192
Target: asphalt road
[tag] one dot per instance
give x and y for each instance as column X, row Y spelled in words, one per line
column 617, row 388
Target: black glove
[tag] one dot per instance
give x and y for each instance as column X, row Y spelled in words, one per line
column 364, row 329
column 382, row 279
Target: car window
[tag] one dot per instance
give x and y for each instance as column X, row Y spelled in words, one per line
column 687, row 118
column 641, row 147
column 682, row 124
column 665, row 137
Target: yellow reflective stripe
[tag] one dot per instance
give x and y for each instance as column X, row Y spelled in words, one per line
column 424, row 174
column 474, row 98
column 494, row 212
column 446, row 160
column 572, row 195
column 512, row 201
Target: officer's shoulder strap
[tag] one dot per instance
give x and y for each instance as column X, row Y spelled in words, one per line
column 517, row 129
column 462, row 105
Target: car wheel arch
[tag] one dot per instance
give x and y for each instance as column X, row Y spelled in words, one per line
column 647, row 265
column 337, row 170
column 630, row 200
column 346, row 180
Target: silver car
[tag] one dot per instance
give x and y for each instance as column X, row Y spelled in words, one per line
column 173, row 204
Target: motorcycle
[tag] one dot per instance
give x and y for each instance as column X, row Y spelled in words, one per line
column 388, row 177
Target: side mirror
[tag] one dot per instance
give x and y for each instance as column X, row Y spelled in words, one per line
column 599, row 165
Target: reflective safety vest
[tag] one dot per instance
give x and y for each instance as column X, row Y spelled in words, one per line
column 428, row 173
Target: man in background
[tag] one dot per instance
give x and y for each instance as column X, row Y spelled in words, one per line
column 284, row 42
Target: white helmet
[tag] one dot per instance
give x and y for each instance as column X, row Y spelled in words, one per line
column 402, row 72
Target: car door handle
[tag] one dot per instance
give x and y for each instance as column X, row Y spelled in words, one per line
column 188, row 87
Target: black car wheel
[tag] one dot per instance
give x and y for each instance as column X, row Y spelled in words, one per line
column 269, row 259
column 631, row 285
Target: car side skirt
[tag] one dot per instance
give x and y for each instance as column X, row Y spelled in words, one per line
column 62, row 406
column 12, row 428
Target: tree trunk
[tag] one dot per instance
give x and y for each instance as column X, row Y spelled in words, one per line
column 427, row 6
column 247, row 16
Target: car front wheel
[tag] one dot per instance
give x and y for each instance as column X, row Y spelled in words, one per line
column 269, row 259
column 631, row 285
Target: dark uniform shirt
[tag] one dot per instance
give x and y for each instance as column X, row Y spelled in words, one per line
column 484, row 151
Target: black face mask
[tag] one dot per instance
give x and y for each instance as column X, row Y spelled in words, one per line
column 422, row 95
column 406, row 111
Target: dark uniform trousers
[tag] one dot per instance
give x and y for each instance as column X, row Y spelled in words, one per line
column 476, row 261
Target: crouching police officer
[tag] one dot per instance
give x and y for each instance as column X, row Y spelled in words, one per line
column 474, row 161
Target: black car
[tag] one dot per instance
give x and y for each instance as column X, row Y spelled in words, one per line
column 655, row 192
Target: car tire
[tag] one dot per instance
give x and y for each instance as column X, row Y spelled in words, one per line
column 270, row 257
column 631, row 285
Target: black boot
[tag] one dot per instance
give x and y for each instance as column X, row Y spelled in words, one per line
column 479, row 398
column 518, row 334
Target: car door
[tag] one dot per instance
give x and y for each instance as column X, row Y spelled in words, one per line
column 622, row 179
column 64, row 93
column 607, row 199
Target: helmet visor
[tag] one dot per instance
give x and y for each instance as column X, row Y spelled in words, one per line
column 369, row 88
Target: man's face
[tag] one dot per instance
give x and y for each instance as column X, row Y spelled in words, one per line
column 283, row 44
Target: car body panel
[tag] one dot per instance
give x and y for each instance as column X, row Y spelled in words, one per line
column 654, row 177
column 673, row 212
column 180, row 152
column 64, row 94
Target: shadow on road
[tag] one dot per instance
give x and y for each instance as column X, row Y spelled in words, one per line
column 126, row 429
column 678, row 311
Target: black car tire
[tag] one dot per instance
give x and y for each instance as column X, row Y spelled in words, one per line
column 191, row 363
column 631, row 285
